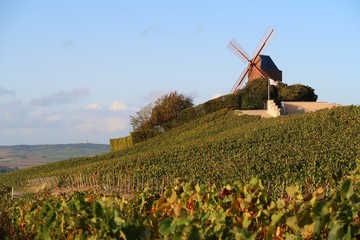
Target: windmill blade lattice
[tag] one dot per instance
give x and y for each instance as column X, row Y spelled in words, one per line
column 264, row 41
column 236, row 48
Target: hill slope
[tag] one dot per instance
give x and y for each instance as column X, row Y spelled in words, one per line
column 23, row 156
column 222, row 147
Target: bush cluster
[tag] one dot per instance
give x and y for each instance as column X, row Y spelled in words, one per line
column 143, row 135
column 229, row 101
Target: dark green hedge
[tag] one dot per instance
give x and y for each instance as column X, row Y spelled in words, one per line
column 230, row 101
column 142, row 135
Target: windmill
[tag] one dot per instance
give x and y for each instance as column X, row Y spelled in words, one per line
column 259, row 66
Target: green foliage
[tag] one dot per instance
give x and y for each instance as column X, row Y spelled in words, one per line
column 167, row 108
column 229, row 101
column 193, row 211
column 296, row 92
column 160, row 115
column 143, row 135
column 255, row 94
column 307, row 149
column 117, row 144
column 174, row 110
column 9, row 228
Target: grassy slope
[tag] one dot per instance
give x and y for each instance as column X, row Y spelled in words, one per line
column 222, row 147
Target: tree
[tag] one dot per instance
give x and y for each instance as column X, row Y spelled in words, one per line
column 297, row 92
column 162, row 113
column 141, row 120
column 168, row 108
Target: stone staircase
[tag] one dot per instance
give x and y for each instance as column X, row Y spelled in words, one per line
column 272, row 109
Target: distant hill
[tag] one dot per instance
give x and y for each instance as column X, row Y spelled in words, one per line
column 24, row 156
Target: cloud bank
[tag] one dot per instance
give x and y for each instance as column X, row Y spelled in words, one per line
column 5, row 91
column 62, row 97
column 41, row 122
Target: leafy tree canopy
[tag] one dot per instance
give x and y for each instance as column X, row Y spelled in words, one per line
column 161, row 113
column 168, row 107
column 141, row 120
column 296, row 92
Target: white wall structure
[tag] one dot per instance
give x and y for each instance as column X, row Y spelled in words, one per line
column 296, row 107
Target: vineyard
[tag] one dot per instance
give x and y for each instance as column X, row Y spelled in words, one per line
column 188, row 211
column 222, row 147
column 220, row 152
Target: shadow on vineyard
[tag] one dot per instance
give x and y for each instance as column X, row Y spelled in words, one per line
column 282, row 177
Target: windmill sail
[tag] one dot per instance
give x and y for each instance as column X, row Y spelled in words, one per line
column 259, row 66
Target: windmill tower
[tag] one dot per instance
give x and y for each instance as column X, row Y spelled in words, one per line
column 259, row 66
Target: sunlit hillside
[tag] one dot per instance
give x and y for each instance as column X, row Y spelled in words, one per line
column 308, row 148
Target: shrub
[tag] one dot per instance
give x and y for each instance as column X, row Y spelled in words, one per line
column 142, row 135
column 296, row 92
column 229, row 101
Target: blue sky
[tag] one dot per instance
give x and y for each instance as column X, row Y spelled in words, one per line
column 74, row 71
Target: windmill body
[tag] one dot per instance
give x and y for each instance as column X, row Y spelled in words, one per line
column 259, row 66
column 265, row 64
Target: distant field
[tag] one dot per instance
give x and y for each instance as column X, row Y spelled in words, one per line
column 25, row 156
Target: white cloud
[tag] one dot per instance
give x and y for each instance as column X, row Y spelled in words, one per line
column 103, row 125
column 21, row 123
column 115, row 124
column 94, row 106
column 14, row 113
column 118, row 106
column 37, row 123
